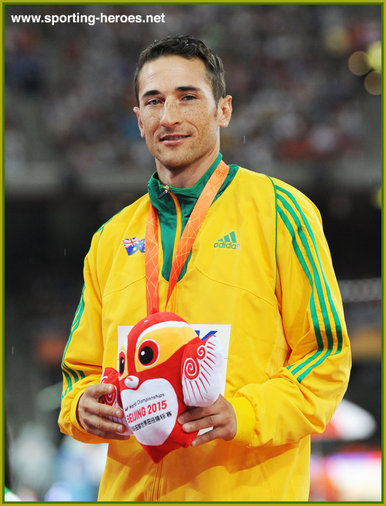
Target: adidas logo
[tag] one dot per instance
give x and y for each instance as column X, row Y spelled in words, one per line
column 229, row 241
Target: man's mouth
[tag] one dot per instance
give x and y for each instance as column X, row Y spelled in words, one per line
column 173, row 137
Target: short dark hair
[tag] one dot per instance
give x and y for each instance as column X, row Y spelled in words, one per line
column 188, row 47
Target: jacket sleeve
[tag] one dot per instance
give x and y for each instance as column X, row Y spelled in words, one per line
column 82, row 358
column 302, row 396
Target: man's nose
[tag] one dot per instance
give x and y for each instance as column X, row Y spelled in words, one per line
column 170, row 113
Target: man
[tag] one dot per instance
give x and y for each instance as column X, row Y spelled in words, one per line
column 259, row 272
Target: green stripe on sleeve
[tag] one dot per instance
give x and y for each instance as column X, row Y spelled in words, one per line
column 75, row 323
column 314, row 281
column 312, row 301
column 67, row 371
column 68, row 379
column 76, row 374
column 334, row 312
column 316, row 277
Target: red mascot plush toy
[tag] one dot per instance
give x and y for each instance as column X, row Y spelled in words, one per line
column 164, row 368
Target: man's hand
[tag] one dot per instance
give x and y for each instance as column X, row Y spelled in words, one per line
column 92, row 413
column 220, row 415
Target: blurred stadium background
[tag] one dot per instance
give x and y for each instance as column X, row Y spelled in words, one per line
column 306, row 86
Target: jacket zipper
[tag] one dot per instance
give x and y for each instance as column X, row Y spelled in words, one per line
column 165, row 190
column 157, row 483
column 176, row 242
column 157, row 478
column 177, row 237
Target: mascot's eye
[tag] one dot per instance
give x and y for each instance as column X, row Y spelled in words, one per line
column 148, row 353
column 121, row 363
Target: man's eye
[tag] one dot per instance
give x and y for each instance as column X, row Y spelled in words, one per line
column 153, row 101
column 188, row 97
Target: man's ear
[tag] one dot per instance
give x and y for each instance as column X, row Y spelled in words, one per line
column 137, row 112
column 224, row 110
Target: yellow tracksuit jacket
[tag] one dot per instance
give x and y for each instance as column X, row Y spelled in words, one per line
column 260, row 273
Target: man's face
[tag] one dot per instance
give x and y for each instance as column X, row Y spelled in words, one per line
column 177, row 113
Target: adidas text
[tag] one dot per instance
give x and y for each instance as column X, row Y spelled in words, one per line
column 229, row 245
column 229, row 241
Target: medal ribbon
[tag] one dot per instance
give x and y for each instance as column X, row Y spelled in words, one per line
column 185, row 244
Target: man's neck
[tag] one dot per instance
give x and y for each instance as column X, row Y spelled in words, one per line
column 184, row 177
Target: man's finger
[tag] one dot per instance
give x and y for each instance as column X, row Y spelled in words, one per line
column 194, row 414
column 99, row 390
column 202, row 423
column 215, row 433
column 105, row 410
column 104, row 425
column 105, row 428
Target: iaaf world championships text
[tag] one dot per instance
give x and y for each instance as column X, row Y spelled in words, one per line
column 90, row 19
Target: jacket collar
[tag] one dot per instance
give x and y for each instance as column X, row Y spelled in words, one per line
column 155, row 188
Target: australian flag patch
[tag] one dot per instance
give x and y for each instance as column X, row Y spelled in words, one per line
column 133, row 245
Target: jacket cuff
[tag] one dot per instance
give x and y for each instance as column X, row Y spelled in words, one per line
column 73, row 412
column 246, row 421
